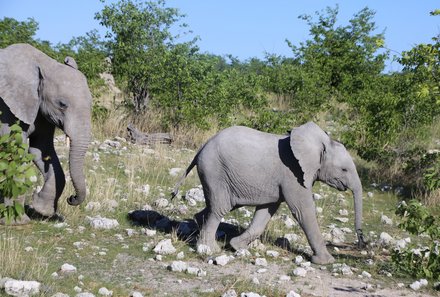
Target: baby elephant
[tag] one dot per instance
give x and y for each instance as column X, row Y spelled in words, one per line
column 241, row 166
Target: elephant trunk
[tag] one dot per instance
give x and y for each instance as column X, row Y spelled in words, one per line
column 78, row 148
column 357, row 195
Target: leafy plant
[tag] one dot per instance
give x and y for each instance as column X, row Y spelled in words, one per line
column 419, row 261
column 17, row 174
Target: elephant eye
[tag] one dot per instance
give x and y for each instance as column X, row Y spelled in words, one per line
column 62, row 104
column 344, row 169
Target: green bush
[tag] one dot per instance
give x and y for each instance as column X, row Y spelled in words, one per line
column 419, row 261
column 17, row 173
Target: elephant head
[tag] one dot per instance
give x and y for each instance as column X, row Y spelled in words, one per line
column 326, row 160
column 34, row 85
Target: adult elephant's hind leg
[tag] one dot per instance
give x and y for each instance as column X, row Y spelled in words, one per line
column 41, row 145
column 262, row 216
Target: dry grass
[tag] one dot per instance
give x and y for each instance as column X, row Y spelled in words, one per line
column 15, row 262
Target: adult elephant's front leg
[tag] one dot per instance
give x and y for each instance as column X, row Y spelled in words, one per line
column 41, row 146
column 257, row 226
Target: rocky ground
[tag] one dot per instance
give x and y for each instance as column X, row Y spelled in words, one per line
column 129, row 239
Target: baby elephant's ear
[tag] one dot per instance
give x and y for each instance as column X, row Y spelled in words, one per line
column 308, row 143
column 69, row 61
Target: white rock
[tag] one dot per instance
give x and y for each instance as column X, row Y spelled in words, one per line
column 401, row 243
column 273, row 254
column 386, row 220
column 385, row 239
column 285, row 278
column 370, row 195
column 195, row 194
column 293, row 294
column 60, row 295
column 136, row 294
column 343, row 212
column 288, row 221
column 337, row 235
column 260, row 262
column 203, row 249
column 230, row 293
column 164, row 247
column 145, row 189
column 342, row 268
column 105, row 292
column 299, row 271
column 149, row 232
column 221, row 260
column 180, row 255
column 196, row 271
column 102, row 223
column 161, row 202
column 423, row 282
column 316, row 196
column 319, row 209
column 291, row 237
column 92, row 205
column 242, row 253
column 416, row 286
column 262, row 270
column 299, row 260
column 22, row 288
column 67, row 268
column 178, row 266
column 29, row 249
column 342, row 220
column 366, row 274
column 85, row 294
column 175, row 171
column 250, row 294
column 255, row 281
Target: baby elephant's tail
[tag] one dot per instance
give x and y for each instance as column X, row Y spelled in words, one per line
column 184, row 175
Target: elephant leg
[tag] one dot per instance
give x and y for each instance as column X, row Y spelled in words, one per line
column 216, row 207
column 201, row 217
column 41, row 146
column 262, row 216
column 303, row 209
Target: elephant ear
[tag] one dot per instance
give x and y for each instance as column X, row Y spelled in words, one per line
column 308, row 143
column 69, row 61
column 20, row 85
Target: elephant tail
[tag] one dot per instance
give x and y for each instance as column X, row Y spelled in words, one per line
column 185, row 174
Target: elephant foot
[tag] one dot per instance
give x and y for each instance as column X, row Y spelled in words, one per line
column 323, row 259
column 22, row 220
column 238, row 243
column 208, row 249
column 43, row 206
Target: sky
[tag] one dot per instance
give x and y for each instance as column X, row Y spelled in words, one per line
column 242, row 28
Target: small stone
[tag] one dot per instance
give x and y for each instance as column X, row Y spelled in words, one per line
column 386, row 220
column 29, row 249
column 195, row 194
column 22, row 288
column 366, row 274
column 285, row 278
column 161, row 203
column 196, row 271
column 230, row 293
column 203, row 249
column 242, row 253
column 67, row 268
column 416, row 286
column 105, row 292
column 299, row 271
column 60, row 295
column 343, row 212
column 342, row 220
column 250, row 294
column 298, row 260
column 370, row 195
column 293, row 294
column 255, row 281
column 136, row 294
column 273, row 254
column 178, row 266
column 291, row 237
column 164, row 247
column 175, row 171
column 85, row 294
column 221, row 260
column 260, row 262
column 316, row 196
column 385, row 239
column 319, row 209
column 150, row 232
column 102, row 223
column 180, row 256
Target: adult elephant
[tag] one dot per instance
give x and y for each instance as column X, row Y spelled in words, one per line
column 242, row 166
column 44, row 94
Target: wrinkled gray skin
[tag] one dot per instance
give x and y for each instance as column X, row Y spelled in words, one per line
column 241, row 166
column 44, row 94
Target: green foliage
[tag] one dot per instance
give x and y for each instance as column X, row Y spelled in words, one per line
column 419, row 261
column 139, row 40
column 13, row 31
column 17, row 173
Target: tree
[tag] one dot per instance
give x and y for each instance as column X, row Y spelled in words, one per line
column 139, row 39
column 13, row 31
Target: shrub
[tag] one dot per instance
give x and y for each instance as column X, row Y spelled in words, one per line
column 17, row 173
